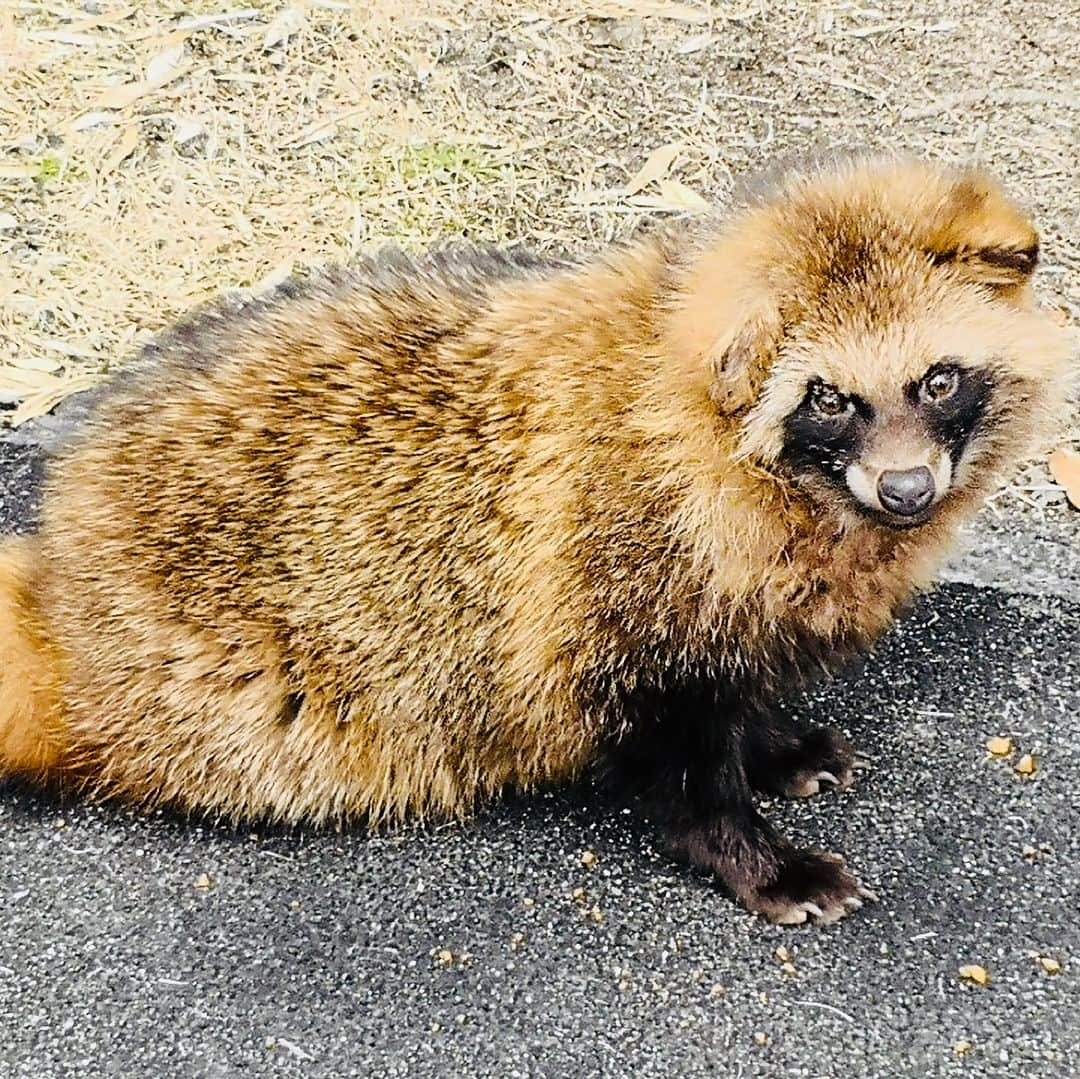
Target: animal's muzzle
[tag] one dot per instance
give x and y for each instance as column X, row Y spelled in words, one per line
column 906, row 492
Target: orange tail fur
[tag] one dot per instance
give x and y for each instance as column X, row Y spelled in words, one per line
column 31, row 709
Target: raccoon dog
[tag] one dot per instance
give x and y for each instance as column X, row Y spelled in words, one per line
column 392, row 538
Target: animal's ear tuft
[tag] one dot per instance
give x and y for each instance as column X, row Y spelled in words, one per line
column 1022, row 262
column 996, row 267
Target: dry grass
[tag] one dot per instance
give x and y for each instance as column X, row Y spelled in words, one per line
column 152, row 154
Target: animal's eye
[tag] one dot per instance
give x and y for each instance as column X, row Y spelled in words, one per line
column 830, row 402
column 939, row 384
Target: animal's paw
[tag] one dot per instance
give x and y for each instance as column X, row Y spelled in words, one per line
column 825, row 759
column 809, row 886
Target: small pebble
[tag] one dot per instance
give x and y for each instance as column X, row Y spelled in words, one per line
column 1026, row 765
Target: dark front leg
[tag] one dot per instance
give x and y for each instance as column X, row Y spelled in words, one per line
column 691, row 752
column 795, row 760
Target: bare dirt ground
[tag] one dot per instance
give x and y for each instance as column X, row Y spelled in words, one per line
column 155, row 153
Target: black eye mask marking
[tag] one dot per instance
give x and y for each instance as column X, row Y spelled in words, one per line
column 824, row 444
column 952, row 421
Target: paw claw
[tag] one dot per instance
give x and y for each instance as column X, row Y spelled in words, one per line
column 824, row 761
column 811, row 885
column 833, row 914
column 793, row 916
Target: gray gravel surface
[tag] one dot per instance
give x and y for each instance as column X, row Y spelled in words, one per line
column 318, row 954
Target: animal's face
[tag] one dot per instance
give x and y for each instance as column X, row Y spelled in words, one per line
column 897, row 420
column 894, row 457
column 879, row 346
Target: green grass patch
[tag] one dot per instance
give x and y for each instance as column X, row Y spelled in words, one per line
column 446, row 162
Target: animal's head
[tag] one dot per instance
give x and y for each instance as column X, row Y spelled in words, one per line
column 872, row 333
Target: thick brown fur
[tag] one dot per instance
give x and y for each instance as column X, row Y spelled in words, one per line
column 395, row 537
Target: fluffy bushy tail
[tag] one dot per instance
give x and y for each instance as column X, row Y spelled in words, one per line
column 31, row 708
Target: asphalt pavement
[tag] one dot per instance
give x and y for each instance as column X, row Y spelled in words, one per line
column 152, row 946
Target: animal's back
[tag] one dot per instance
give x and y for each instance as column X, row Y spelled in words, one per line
column 275, row 558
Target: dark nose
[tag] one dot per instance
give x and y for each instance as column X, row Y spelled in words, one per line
column 906, row 492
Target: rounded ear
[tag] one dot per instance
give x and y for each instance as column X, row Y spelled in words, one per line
column 984, row 235
column 727, row 330
column 739, row 360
